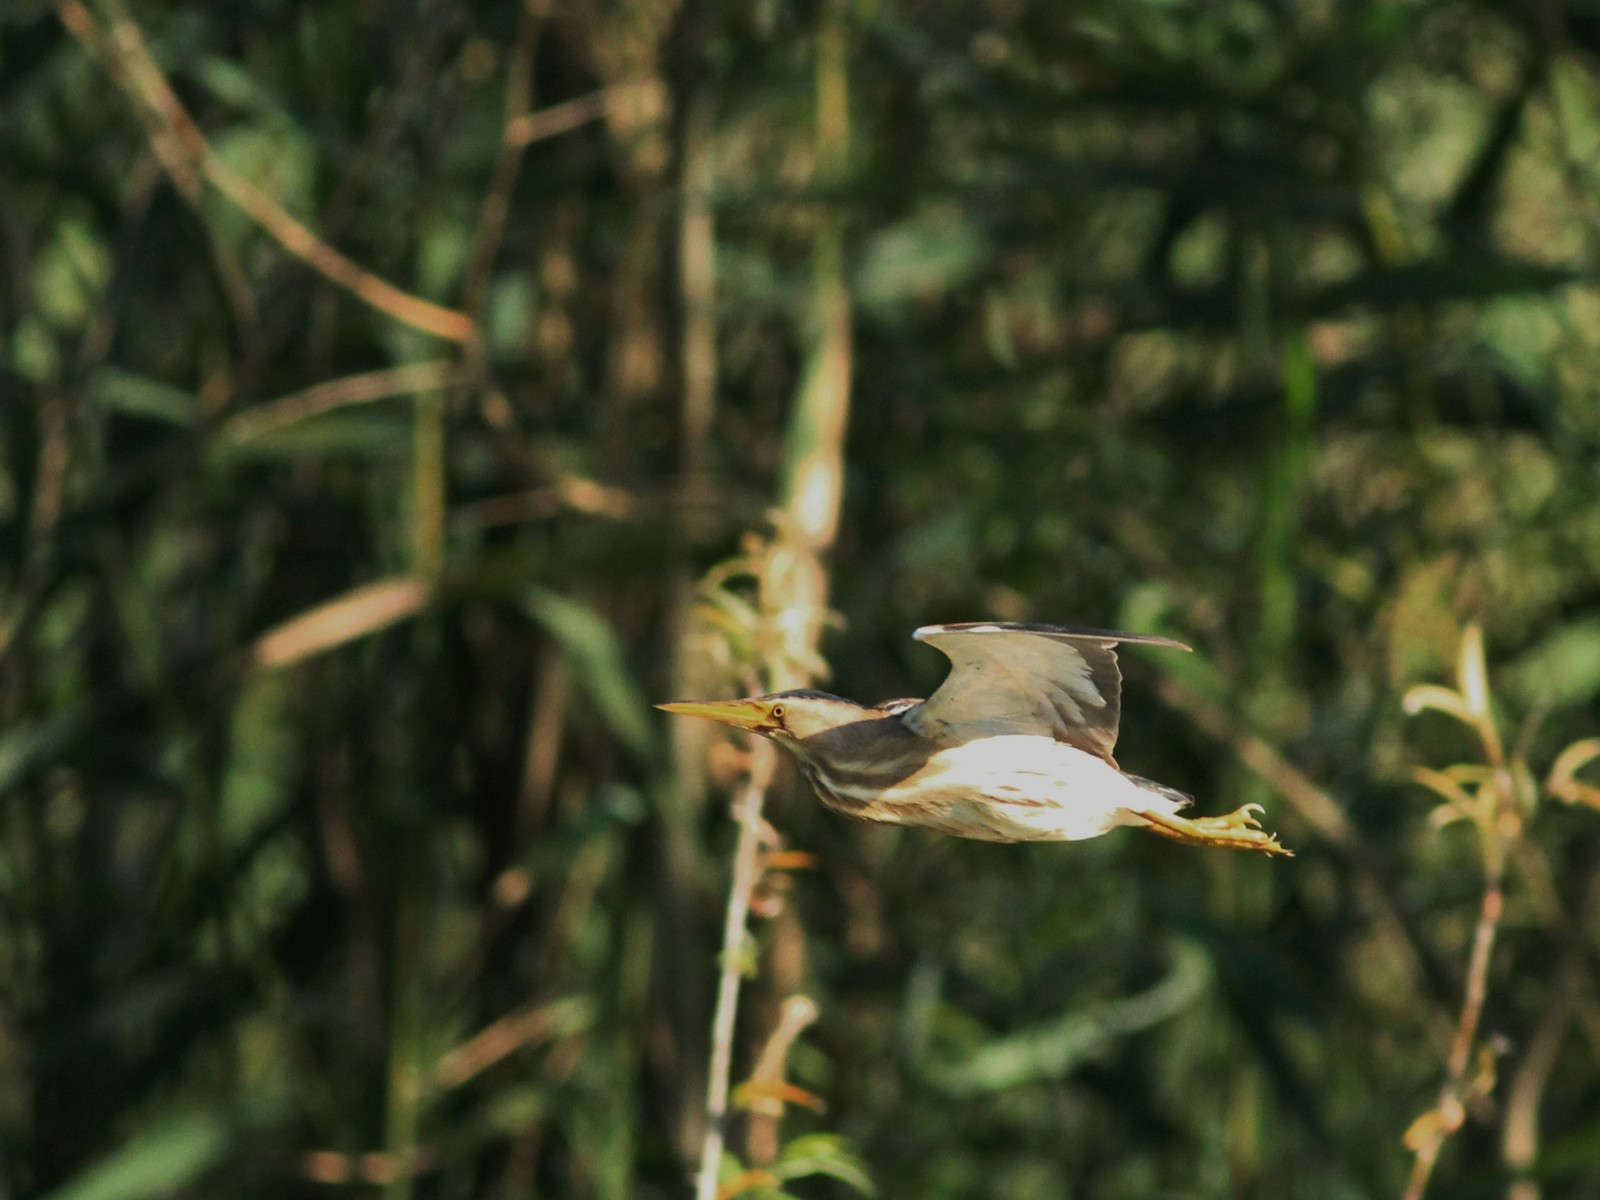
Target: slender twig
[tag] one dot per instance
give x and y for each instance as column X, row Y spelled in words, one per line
column 697, row 276
column 503, row 177
column 558, row 118
column 1427, row 1137
column 793, row 580
column 168, row 152
column 183, row 150
column 1519, row 1136
column 273, row 416
column 1493, row 813
column 746, row 872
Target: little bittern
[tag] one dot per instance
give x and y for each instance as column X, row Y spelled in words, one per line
column 1014, row 746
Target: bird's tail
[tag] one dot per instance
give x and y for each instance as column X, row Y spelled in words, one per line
column 1178, row 800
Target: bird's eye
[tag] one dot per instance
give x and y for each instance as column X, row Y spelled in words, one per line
column 777, row 711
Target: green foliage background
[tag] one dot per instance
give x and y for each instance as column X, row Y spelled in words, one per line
column 1270, row 325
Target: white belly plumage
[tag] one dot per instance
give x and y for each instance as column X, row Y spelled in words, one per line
column 1018, row 787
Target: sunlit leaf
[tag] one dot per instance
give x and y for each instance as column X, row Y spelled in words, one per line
column 1440, row 699
column 1563, row 780
column 139, row 395
column 358, row 613
column 1474, row 675
column 1563, row 668
column 1443, row 786
column 162, row 1159
column 824, row 1154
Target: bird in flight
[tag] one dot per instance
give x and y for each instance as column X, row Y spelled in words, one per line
column 1014, row 746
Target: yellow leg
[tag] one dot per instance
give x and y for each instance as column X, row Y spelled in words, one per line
column 1237, row 831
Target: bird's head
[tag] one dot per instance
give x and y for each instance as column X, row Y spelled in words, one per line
column 785, row 717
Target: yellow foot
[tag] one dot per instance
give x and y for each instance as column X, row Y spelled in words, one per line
column 1238, row 830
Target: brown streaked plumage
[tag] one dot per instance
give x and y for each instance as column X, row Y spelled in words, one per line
column 1015, row 746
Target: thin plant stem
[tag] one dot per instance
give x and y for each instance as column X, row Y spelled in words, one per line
column 1449, row 1113
column 184, row 151
column 792, row 574
column 1497, row 828
column 746, row 873
column 273, row 416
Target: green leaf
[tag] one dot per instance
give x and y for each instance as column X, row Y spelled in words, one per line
column 261, row 760
column 26, row 744
column 1563, row 670
column 926, row 256
column 1441, row 699
column 368, row 435
column 70, row 272
column 157, row 1161
column 141, row 396
column 824, row 1154
column 1563, row 779
column 596, row 651
column 1052, row 1049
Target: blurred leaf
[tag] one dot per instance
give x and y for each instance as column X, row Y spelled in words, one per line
column 232, row 82
column 927, row 256
column 1446, row 788
column 30, row 742
column 592, row 644
column 356, row 614
column 1563, row 779
column 1053, row 1050
column 22, row 12
column 509, row 313
column 123, row 391
column 1474, row 675
column 156, row 1162
column 823, row 1154
column 70, row 272
column 1563, row 668
column 261, row 761
column 1441, row 699
column 275, row 155
column 368, row 435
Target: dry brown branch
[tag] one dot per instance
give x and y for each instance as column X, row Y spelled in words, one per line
column 185, row 153
column 557, row 119
column 568, row 493
column 513, row 1032
column 332, row 1167
column 357, row 613
column 272, row 416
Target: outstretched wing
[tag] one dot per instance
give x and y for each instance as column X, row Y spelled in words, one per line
column 1035, row 679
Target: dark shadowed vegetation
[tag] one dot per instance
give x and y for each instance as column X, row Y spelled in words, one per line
column 397, row 397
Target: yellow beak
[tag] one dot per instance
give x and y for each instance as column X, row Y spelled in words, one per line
column 741, row 714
